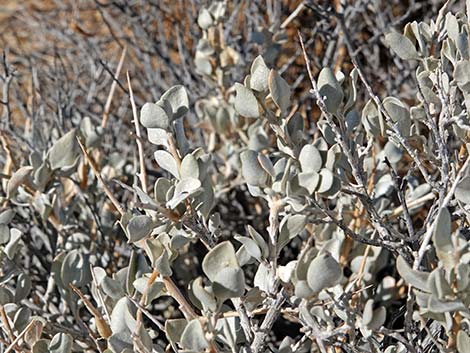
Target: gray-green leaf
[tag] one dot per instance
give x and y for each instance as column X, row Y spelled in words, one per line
column 139, row 227
column 178, row 99
column 415, row 278
column 330, row 90
column 17, row 179
column 166, row 161
column 193, row 337
column 221, row 256
column 323, row 272
column 402, row 46
column 290, row 227
column 61, row 343
column 252, row 170
column 204, row 19
column 442, row 232
column 250, row 246
column 246, row 103
column 463, row 342
column 280, row 91
column 462, row 192
column 152, row 116
column 310, row 159
column 64, row 152
column 259, row 75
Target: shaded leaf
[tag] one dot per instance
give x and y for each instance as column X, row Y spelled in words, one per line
column 326, row 180
column 74, row 269
column 373, row 319
column 206, row 298
column 266, row 164
column 258, row 238
column 174, row 329
column 438, row 284
column 399, row 113
column 252, row 171
column 23, row 287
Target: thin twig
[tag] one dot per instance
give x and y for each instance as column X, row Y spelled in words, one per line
column 143, row 171
column 101, row 324
column 356, row 167
column 108, row 192
column 107, row 106
column 6, row 323
column 174, row 292
column 271, row 316
column 19, row 337
column 450, row 194
column 396, row 133
column 293, row 15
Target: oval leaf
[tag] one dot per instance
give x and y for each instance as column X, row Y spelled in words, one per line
column 259, row 75
column 61, row 343
column 178, row 99
column 279, row 90
column 310, row 159
column 246, row 103
column 153, row 116
column 64, row 152
column 323, row 272
column 193, row 337
column 330, row 90
column 221, row 256
column 252, row 171
column 402, row 46
column 417, row 279
column 166, row 161
column 139, row 227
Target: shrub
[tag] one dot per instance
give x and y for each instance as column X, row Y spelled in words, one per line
column 240, row 224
